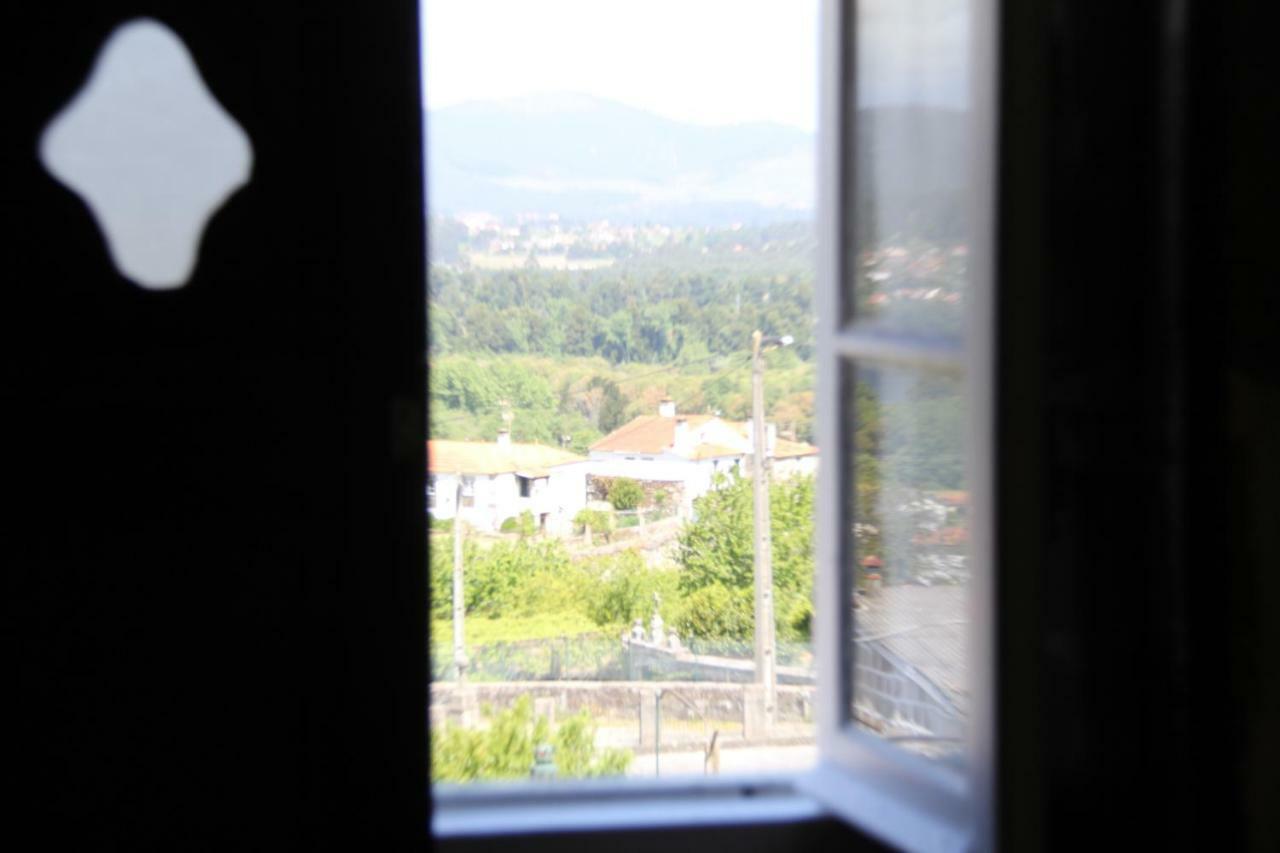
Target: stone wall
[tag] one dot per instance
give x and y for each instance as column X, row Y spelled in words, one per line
column 598, row 490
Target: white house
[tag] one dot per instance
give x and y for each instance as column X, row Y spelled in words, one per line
column 489, row 482
column 688, row 451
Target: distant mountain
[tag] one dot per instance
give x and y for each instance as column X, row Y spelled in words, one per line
column 587, row 158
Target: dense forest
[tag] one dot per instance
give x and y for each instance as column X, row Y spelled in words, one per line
column 701, row 294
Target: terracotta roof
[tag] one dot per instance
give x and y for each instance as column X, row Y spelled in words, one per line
column 486, row 457
column 647, row 434
column 712, row 438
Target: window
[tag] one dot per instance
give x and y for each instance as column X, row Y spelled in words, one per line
column 906, row 383
column 903, row 333
column 431, row 491
column 468, row 491
column 596, row 272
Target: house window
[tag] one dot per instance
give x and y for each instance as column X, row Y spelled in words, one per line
column 468, row 492
column 525, row 485
column 431, row 491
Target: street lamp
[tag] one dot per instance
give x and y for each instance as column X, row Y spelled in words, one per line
column 765, row 650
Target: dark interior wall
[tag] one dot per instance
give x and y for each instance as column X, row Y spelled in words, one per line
column 213, row 541
column 212, row 545
column 1233, row 216
column 1140, row 398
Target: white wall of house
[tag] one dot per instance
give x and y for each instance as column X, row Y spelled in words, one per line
column 795, row 466
column 696, row 476
column 562, row 496
column 553, row 499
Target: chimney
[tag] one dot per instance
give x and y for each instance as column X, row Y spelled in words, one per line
column 504, row 439
column 667, row 408
column 681, row 441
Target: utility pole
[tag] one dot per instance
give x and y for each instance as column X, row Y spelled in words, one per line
column 459, row 605
column 766, row 675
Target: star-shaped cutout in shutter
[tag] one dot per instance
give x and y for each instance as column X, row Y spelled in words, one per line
column 150, row 150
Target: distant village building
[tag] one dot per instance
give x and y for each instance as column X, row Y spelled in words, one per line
column 489, row 482
column 688, row 451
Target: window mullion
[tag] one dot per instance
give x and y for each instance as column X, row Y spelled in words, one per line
column 942, row 356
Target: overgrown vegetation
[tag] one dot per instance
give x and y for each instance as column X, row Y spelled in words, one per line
column 573, row 401
column 708, row 595
column 600, row 521
column 533, row 585
column 505, row 750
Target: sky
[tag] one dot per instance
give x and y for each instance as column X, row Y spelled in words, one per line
column 710, row 62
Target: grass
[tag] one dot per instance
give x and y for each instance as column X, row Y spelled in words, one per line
column 509, row 629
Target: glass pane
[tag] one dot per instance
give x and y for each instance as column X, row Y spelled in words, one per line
column 909, row 573
column 910, row 167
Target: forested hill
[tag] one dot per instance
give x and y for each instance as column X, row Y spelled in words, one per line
column 590, row 159
column 701, row 293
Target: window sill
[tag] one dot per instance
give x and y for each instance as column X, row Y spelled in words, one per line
column 529, row 808
column 522, row 809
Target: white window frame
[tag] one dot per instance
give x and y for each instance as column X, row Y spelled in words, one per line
column 902, row 798
column 898, row 797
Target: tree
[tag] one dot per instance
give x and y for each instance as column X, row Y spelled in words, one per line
column 716, row 552
column 612, row 406
column 625, row 493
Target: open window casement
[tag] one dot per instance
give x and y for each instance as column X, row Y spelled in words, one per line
column 905, row 618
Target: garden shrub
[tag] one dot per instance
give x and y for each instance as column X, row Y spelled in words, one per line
column 505, row 749
column 622, row 589
column 625, row 493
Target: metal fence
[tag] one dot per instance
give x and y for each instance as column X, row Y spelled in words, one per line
column 581, row 658
column 593, row 657
column 789, row 653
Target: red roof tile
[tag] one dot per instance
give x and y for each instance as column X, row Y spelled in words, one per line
column 656, row 434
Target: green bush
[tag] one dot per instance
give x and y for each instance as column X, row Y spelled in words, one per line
column 622, row 589
column 598, row 520
column 505, row 749
column 715, row 611
column 625, row 493
column 523, row 524
column 522, row 578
